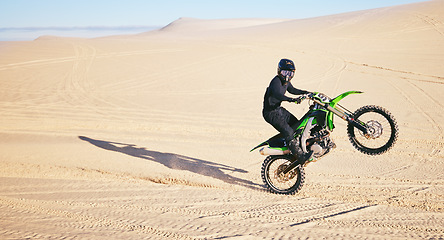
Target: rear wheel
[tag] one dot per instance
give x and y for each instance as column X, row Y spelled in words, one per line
column 382, row 130
column 280, row 183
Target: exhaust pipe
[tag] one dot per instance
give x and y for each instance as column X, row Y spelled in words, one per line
column 273, row 151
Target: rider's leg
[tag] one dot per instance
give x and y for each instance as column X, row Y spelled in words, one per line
column 282, row 120
column 289, row 118
column 293, row 143
column 295, row 147
column 296, row 150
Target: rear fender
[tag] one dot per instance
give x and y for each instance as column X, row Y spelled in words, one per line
column 260, row 145
column 275, row 139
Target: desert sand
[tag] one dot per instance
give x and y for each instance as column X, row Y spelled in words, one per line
column 147, row 136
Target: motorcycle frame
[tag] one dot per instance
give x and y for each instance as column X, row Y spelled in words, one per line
column 333, row 108
column 330, row 108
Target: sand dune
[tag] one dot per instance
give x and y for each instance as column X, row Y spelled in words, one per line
column 148, row 136
column 193, row 25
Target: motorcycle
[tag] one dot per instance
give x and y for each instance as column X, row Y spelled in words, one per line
column 371, row 130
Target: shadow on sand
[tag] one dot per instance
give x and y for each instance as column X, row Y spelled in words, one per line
column 175, row 161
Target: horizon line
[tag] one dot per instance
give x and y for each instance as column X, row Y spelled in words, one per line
column 68, row 28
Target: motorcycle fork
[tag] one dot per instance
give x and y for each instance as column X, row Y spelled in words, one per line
column 292, row 166
column 342, row 114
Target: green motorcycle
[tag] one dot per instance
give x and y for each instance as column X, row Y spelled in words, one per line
column 371, row 129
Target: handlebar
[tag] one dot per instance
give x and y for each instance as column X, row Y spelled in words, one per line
column 305, row 96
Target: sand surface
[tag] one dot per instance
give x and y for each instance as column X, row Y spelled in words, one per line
column 148, row 136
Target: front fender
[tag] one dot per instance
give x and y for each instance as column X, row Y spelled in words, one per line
column 333, row 104
column 335, row 100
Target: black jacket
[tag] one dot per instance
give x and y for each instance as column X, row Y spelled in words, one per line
column 275, row 93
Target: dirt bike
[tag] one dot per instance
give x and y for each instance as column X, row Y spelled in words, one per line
column 371, row 129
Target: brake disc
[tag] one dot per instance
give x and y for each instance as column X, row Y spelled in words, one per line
column 284, row 177
column 374, row 129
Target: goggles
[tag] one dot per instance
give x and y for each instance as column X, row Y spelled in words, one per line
column 287, row 73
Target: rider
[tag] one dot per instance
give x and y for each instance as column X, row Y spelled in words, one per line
column 279, row 117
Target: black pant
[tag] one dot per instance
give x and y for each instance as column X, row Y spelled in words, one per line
column 281, row 120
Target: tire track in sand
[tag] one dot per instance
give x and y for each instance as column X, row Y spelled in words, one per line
column 426, row 115
column 50, row 61
column 39, row 207
column 120, row 206
column 418, row 195
column 435, row 79
column 433, row 22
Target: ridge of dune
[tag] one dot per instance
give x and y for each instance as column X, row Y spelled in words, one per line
column 55, row 38
column 185, row 24
column 383, row 20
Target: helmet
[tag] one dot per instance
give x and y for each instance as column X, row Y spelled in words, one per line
column 286, row 68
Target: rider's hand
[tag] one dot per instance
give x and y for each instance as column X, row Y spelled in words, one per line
column 297, row 100
column 309, row 94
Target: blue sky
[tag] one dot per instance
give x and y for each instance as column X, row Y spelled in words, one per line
column 85, row 13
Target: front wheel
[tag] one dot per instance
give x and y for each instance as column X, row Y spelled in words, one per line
column 280, row 183
column 382, row 130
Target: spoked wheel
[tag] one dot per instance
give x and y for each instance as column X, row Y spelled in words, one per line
column 280, row 183
column 382, row 130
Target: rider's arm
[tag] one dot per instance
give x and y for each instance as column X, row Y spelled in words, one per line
column 295, row 91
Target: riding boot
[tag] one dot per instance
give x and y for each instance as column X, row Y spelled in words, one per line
column 297, row 152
